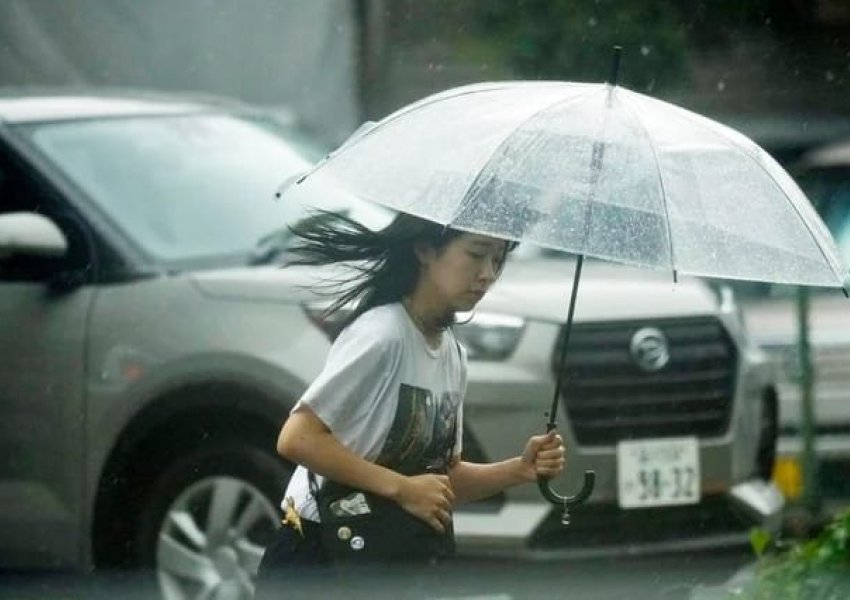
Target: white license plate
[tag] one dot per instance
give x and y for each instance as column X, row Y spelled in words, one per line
column 660, row 472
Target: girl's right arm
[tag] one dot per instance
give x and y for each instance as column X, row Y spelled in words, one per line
column 306, row 440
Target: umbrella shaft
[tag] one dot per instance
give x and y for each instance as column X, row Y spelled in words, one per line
column 562, row 360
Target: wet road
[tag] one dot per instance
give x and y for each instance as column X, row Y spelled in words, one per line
column 684, row 575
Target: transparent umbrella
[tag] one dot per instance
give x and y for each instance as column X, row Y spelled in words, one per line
column 593, row 170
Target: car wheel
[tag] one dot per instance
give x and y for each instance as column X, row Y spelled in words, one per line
column 208, row 519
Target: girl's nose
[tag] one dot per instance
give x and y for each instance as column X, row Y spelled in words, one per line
column 488, row 271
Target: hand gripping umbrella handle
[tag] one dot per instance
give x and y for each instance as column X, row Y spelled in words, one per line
column 544, row 484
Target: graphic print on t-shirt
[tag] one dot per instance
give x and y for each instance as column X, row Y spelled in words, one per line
column 424, row 431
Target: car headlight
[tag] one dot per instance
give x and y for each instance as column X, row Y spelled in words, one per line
column 489, row 336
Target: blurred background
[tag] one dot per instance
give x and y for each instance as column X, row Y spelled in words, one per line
column 777, row 70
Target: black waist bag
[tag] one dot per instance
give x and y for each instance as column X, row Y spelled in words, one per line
column 359, row 527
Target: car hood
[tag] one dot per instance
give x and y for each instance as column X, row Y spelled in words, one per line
column 540, row 289
column 256, row 284
column 537, row 289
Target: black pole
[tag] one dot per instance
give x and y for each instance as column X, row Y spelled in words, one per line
column 615, row 65
column 812, row 500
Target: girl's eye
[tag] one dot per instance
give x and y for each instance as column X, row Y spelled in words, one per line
column 477, row 255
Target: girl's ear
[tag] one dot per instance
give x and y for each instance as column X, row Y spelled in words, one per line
column 424, row 253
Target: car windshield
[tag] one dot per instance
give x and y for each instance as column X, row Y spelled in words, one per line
column 186, row 187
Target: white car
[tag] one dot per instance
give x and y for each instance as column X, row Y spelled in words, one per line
column 152, row 348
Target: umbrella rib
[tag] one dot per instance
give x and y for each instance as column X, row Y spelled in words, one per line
column 470, row 191
column 595, row 171
column 637, row 114
column 749, row 154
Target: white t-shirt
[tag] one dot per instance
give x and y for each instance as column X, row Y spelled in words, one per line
column 389, row 397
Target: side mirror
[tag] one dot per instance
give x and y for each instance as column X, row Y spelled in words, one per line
column 30, row 234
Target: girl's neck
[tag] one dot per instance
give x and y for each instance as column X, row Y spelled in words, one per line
column 431, row 321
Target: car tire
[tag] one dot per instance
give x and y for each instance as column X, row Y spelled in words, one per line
column 208, row 518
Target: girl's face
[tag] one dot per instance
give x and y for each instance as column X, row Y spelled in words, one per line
column 458, row 275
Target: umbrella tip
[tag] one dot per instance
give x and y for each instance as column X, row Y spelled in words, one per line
column 289, row 182
column 615, row 64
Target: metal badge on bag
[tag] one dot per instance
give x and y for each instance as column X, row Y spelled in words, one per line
column 351, row 505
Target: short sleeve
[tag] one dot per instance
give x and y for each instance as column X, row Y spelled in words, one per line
column 462, row 366
column 359, row 367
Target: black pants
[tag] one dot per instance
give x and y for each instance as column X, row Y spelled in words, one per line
column 294, row 564
column 298, row 567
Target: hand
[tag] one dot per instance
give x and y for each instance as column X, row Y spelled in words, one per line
column 544, row 456
column 428, row 497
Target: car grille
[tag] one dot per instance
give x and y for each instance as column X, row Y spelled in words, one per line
column 609, row 398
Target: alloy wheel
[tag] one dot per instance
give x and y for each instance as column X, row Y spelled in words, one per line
column 212, row 539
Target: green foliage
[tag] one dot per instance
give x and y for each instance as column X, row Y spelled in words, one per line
column 572, row 39
column 815, row 569
column 759, row 540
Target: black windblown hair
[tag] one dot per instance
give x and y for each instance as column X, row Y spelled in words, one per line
column 384, row 263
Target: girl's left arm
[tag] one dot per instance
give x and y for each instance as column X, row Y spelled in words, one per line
column 543, row 456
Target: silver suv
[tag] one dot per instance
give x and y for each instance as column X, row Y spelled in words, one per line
column 663, row 397
column 151, row 348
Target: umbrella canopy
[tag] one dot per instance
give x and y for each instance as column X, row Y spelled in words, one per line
column 592, row 169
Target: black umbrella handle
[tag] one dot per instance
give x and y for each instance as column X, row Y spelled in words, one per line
column 545, row 486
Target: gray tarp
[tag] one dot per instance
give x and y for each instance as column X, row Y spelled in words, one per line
column 300, row 54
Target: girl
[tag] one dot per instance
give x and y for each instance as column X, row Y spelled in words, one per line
column 385, row 414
